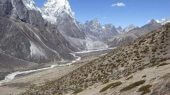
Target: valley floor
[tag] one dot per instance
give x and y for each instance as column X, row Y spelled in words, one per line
column 22, row 82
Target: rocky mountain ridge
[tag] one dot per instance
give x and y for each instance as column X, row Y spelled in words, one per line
column 130, row 36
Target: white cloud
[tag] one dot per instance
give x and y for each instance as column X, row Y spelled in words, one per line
column 119, row 4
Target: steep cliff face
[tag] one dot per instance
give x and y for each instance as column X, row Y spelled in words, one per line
column 26, row 35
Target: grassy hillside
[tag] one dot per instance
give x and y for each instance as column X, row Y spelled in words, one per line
column 148, row 51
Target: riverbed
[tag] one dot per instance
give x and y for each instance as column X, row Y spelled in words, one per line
column 18, row 82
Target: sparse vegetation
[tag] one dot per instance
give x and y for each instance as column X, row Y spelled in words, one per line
column 112, row 85
column 163, row 64
column 144, row 76
column 145, row 89
column 78, row 90
column 130, row 77
column 133, row 85
column 119, row 63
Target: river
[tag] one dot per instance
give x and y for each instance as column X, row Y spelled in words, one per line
column 12, row 76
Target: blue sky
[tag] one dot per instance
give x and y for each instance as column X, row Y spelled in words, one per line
column 119, row 12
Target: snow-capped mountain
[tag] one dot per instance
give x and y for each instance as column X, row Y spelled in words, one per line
column 52, row 32
column 101, row 32
column 134, row 33
column 31, row 38
column 163, row 21
column 129, row 28
column 54, row 8
column 59, row 13
column 119, row 30
column 97, row 34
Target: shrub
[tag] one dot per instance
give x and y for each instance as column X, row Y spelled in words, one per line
column 144, row 76
column 145, row 89
column 130, row 77
column 78, row 90
column 162, row 64
column 112, row 85
column 133, row 85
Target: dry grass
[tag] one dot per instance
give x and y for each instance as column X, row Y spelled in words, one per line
column 133, row 85
column 77, row 91
column 112, row 85
column 163, row 64
column 130, row 77
column 145, row 89
column 131, row 57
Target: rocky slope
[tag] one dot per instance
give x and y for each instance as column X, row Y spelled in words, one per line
column 147, row 52
column 26, row 35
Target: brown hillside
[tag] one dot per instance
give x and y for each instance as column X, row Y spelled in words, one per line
column 148, row 51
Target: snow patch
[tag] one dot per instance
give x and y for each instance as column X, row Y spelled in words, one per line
column 36, row 51
column 30, row 5
column 54, row 8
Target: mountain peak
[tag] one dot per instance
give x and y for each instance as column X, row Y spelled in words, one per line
column 94, row 21
column 153, row 21
column 54, row 8
column 129, row 28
